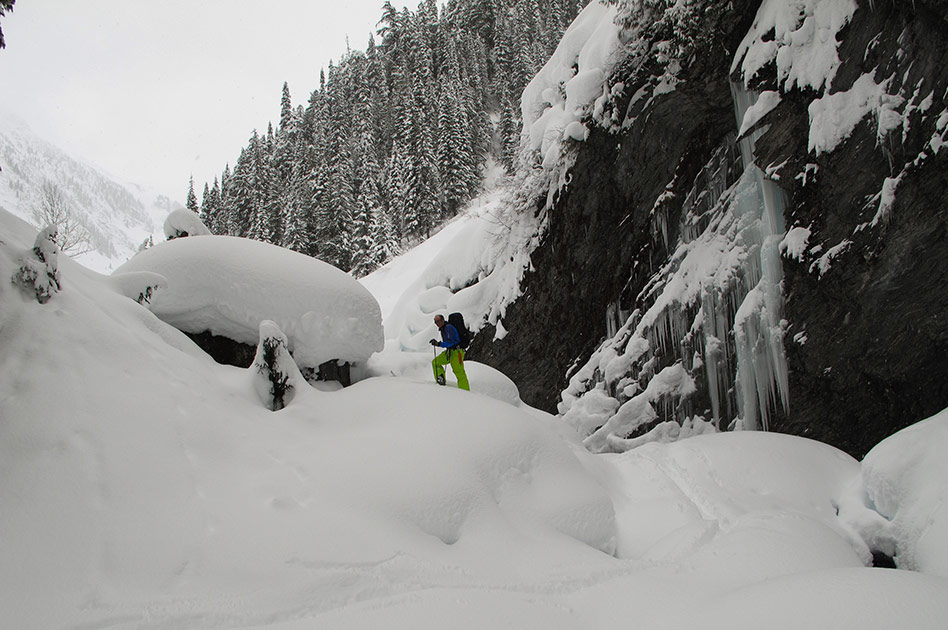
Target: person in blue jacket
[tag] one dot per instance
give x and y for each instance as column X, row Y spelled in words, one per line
column 452, row 354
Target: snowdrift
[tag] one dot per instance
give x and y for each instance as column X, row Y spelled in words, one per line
column 228, row 285
column 144, row 485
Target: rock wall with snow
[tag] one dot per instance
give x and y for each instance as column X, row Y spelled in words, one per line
column 749, row 233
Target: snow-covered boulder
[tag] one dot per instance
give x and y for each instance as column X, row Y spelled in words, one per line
column 229, row 285
column 183, row 222
column 140, row 286
column 900, row 505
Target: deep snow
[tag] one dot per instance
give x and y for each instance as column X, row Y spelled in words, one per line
column 228, row 285
column 142, row 485
column 145, row 486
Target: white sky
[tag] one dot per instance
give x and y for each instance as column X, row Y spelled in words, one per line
column 156, row 91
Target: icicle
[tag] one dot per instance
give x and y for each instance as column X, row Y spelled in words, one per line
column 759, row 326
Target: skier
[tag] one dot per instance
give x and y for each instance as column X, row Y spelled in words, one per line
column 453, row 354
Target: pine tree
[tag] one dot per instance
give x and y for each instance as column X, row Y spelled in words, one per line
column 191, row 204
column 5, row 5
column 394, row 140
column 383, row 238
column 455, row 155
column 286, row 108
column 206, row 212
column 215, row 213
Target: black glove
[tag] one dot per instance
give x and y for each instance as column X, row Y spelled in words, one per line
column 433, row 342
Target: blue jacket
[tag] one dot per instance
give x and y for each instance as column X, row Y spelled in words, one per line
column 449, row 336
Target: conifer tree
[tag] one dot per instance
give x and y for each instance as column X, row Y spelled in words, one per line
column 395, row 139
column 286, row 108
column 206, row 209
column 5, row 5
column 191, row 203
column 214, row 221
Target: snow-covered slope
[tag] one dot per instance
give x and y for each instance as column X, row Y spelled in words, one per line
column 144, row 485
column 473, row 266
column 118, row 216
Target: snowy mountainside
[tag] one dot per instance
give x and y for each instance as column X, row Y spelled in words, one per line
column 118, row 216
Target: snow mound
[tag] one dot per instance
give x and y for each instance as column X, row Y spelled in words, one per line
column 835, row 598
column 901, row 502
column 471, row 266
column 416, row 366
column 228, row 285
column 182, row 222
column 727, row 494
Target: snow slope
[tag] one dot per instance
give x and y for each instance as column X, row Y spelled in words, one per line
column 145, row 486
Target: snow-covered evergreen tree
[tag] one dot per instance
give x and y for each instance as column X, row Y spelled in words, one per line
column 276, row 376
column 191, row 203
column 400, row 132
column 38, row 272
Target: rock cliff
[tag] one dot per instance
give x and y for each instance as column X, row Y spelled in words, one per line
column 678, row 284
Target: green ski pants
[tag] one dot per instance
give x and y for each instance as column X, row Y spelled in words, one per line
column 454, row 356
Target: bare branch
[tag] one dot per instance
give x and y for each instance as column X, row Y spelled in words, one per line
column 53, row 209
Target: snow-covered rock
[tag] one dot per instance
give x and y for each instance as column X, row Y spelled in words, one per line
column 901, row 502
column 564, row 90
column 229, row 285
column 182, row 222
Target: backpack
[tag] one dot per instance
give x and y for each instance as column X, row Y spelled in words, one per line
column 457, row 320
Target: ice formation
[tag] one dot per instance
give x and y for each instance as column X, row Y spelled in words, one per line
column 723, row 282
column 717, row 305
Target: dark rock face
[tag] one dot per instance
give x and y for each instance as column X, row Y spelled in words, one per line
column 867, row 336
column 224, row 350
column 876, row 355
column 601, row 247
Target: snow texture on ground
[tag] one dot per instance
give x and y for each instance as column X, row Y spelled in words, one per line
column 145, row 486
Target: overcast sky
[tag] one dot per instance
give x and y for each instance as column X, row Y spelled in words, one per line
column 156, row 91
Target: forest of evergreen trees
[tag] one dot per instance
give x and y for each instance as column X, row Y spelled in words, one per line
column 394, row 140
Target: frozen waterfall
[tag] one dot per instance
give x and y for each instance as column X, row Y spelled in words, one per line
column 713, row 311
column 759, row 326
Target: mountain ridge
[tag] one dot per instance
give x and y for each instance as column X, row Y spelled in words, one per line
column 117, row 215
